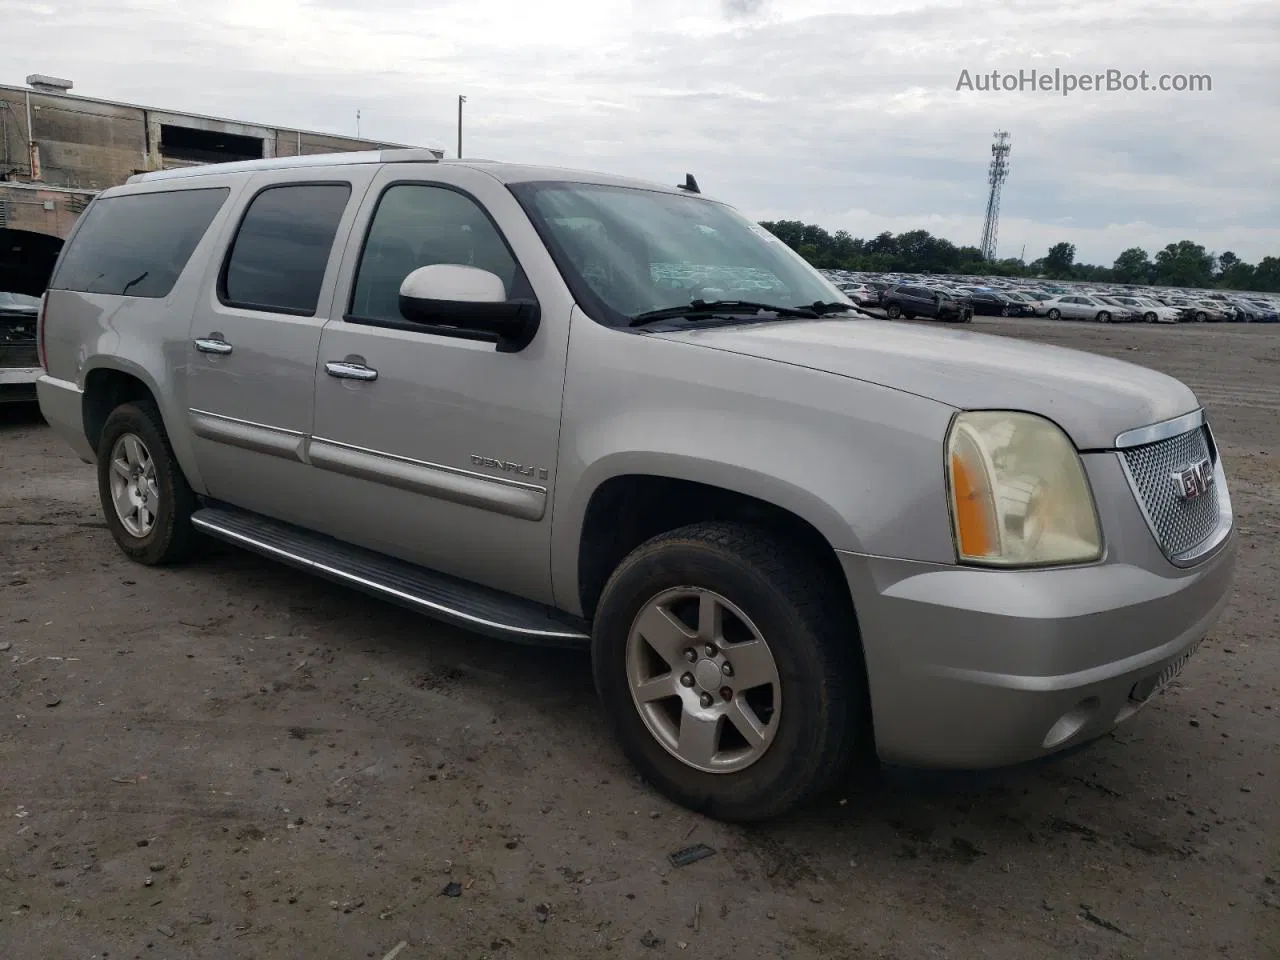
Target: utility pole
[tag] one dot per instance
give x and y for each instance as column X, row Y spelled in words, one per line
column 357, row 124
column 461, row 101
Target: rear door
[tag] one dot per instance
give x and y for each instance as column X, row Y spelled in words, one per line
column 255, row 334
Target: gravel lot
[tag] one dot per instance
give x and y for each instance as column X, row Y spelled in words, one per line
column 234, row 760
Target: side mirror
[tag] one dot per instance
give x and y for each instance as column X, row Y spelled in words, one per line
column 461, row 300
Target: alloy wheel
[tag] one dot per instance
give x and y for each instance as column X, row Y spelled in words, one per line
column 704, row 680
column 135, row 492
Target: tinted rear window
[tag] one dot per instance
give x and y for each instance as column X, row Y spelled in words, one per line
column 278, row 259
column 138, row 244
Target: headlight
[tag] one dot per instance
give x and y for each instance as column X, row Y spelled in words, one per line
column 1019, row 495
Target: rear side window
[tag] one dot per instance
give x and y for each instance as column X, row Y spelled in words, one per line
column 279, row 256
column 137, row 245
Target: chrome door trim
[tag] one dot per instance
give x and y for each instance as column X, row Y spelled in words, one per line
column 525, row 501
column 248, row 435
column 385, row 589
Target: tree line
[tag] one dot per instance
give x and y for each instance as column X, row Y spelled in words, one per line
column 1181, row 264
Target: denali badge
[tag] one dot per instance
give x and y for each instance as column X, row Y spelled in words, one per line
column 508, row 466
column 1194, row 481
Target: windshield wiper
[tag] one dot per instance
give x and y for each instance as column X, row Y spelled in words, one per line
column 822, row 308
column 710, row 308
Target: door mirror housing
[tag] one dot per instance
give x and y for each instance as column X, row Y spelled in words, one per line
column 461, row 300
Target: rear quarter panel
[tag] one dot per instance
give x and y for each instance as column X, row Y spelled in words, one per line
column 862, row 463
column 144, row 337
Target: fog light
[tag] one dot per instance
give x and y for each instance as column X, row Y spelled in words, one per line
column 1071, row 722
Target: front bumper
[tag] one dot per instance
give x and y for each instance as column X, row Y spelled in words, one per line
column 974, row 669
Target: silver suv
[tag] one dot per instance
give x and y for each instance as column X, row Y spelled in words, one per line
column 574, row 409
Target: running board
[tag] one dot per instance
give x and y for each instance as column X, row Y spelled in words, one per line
column 439, row 596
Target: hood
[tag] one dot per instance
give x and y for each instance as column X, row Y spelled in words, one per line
column 27, row 260
column 1092, row 398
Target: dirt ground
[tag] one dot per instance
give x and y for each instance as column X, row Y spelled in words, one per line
column 234, row 760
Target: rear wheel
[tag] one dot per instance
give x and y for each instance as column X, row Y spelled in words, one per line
column 145, row 497
column 731, row 671
column 893, row 311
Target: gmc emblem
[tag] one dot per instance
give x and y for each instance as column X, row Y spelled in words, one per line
column 1194, row 481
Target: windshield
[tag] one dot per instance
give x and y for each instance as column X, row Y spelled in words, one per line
column 625, row 251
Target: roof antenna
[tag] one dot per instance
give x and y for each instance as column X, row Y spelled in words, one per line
column 689, row 184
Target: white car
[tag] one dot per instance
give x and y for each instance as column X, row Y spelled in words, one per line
column 1076, row 307
column 1152, row 311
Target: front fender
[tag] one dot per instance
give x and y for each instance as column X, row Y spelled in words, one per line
column 861, row 463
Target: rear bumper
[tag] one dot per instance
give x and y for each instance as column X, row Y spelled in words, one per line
column 18, row 384
column 973, row 669
column 62, row 404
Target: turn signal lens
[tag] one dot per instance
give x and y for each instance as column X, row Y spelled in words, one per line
column 1019, row 494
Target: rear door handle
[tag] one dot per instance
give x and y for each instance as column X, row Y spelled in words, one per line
column 344, row 370
column 213, row 345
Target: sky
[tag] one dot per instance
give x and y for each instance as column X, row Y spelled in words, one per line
column 835, row 112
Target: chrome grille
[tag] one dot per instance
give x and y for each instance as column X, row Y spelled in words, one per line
column 1179, row 525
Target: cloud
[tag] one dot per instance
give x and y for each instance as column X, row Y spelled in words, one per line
column 803, row 109
column 742, row 8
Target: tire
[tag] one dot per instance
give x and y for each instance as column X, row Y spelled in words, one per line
column 893, row 311
column 908, row 316
column 1004, row 311
column 1104, row 317
column 1201, row 316
column 1149, row 317
column 170, row 537
column 1054, row 314
column 822, row 724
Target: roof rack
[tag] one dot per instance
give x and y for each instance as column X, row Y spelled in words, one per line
column 398, row 155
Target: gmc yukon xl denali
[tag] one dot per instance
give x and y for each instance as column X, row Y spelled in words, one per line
column 570, row 408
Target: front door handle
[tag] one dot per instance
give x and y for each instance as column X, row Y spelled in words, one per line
column 213, row 345
column 345, row 370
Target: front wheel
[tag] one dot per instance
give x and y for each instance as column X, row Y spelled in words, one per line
column 145, row 496
column 731, row 671
column 1149, row 317
column 893, row 311
column 1054, row 314
column 1104, row 317
column 1201, row 316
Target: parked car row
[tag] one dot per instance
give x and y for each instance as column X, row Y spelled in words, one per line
column 1103, row 303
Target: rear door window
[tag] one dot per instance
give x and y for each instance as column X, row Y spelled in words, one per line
column 280, row 254
column 138, row 244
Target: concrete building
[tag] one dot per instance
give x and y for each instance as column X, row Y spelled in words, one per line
column 58, row 149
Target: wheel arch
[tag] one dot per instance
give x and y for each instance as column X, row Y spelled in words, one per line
column 109, row 382
column 635, row 497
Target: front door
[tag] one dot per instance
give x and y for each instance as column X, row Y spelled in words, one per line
column 255, row 334
column 435, row 448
